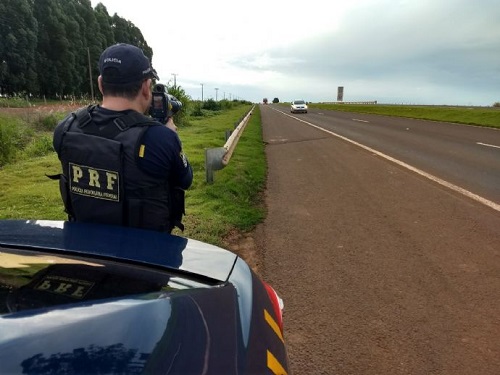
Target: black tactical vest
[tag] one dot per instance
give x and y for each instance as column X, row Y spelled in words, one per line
column 101, row 181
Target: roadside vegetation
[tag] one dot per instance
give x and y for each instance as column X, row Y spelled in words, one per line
column 231, row 203
column 50, row 49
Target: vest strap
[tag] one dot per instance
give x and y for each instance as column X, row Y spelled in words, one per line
column 85, row 122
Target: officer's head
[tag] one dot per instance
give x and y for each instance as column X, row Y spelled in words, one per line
column 124, row 71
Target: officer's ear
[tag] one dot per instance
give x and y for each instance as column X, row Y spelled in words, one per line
column 146, row 94
column 146, row 88
column 99, row 84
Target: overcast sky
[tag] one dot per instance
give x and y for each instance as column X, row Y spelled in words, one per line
column 392, row 51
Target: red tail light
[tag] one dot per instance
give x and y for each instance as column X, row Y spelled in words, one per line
column 277, row 303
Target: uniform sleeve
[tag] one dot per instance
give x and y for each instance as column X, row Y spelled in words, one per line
column 163, row 157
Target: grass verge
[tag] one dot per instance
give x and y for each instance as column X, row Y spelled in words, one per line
column 480, row 116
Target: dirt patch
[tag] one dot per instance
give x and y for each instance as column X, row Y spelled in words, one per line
column 244, row 245
column 41, row 109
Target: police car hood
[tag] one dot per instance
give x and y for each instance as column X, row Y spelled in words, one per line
column 120, row 243
column 130, row 333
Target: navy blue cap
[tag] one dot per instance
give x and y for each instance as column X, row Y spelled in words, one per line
column 123, row 63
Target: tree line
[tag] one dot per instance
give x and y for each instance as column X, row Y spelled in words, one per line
column 51, row 48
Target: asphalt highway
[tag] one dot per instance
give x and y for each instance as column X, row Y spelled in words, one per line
column 383, row 238
column 467, row 156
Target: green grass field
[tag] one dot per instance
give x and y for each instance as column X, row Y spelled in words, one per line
column 480, row 116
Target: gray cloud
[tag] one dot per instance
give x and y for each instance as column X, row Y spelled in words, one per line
column 427, row 52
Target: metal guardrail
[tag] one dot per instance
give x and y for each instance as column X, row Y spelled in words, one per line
column 365, row 102
column 218, row 158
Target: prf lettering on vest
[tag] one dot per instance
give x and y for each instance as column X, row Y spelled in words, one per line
column 94, row 182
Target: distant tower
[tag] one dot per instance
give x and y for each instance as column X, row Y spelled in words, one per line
column 340, row 94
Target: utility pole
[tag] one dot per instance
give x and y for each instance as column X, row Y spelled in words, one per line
column 175, row 80
column 90, row 75
column 201, row 91
column 216, row 91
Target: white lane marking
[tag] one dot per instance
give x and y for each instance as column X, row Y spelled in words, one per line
column 357, row 119
column 486, row 144
column 447, row 184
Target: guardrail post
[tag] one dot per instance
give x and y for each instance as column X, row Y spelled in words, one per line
column 213, row 162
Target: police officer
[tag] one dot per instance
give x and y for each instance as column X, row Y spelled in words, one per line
column 121, row 167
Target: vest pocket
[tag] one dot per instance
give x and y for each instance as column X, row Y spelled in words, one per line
column 147, row 214
column 93, row 169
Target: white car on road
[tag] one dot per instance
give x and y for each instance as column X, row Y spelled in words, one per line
column 298, row 106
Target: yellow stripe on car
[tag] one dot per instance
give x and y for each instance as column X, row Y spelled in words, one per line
column 269, row 319
column 274, row 365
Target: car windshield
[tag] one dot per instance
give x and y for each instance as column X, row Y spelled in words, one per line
column 299, row 102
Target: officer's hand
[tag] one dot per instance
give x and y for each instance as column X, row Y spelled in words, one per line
column 170, row 124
